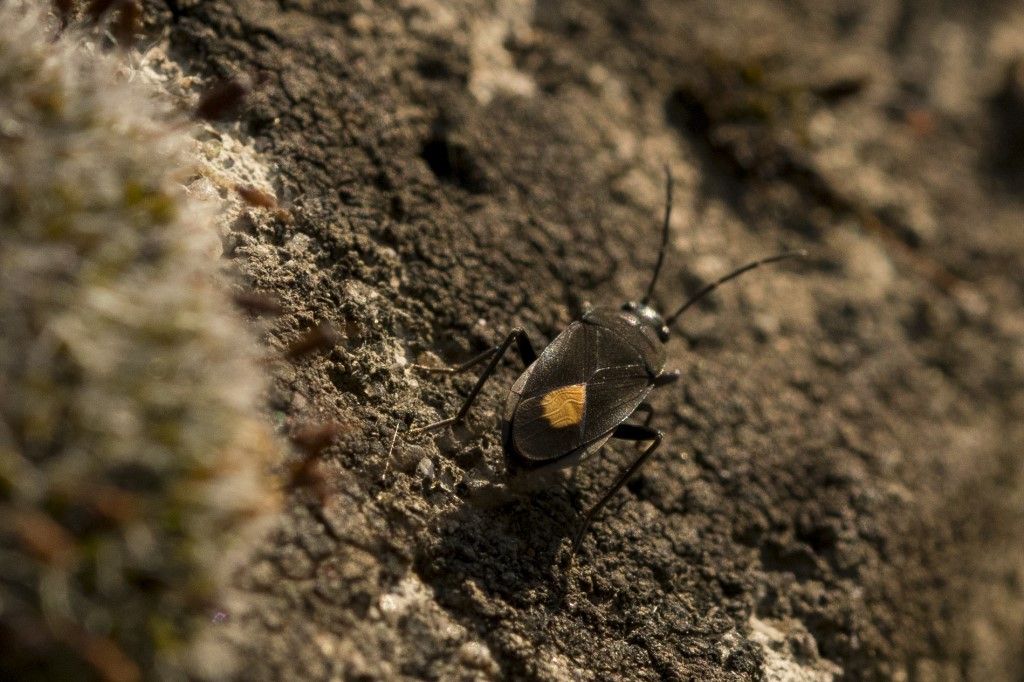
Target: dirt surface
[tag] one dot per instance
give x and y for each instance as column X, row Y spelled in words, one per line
column 840, row 490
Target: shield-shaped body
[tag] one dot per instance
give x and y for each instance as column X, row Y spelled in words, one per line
column 586, row 382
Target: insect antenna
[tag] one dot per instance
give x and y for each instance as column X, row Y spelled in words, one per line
column 664, row 237
column 732, row 275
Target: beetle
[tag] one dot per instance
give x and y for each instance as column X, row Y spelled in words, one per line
column 581, row 389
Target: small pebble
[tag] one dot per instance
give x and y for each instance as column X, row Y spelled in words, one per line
column 425, row 469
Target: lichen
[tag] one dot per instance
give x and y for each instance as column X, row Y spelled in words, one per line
column 133, row 455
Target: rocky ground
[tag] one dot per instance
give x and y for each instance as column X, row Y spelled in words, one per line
column 840, row 494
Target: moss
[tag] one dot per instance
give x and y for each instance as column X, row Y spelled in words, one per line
column 132, row 448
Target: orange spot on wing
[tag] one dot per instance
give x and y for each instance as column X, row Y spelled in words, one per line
column 564, row 406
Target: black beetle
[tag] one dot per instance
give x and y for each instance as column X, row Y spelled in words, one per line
column 581, row 389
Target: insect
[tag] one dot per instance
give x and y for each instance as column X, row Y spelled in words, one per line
column 582, row 388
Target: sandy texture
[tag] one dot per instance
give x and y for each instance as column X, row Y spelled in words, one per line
column 840, row 492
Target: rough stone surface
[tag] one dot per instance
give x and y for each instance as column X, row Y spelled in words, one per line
column 840, row 490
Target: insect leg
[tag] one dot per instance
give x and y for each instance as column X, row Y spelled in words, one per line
column 666, row 378
column 523, row 345
column 623, row 432
column 647, row 409
column 526, row 352
column 458, row 369
column 517, row 335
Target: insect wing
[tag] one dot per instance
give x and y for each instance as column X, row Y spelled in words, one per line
column 564, row 362
column 613, row 394
column 583, row 384
column 575, row 356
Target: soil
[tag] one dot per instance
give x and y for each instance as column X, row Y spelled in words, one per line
column 840, row 493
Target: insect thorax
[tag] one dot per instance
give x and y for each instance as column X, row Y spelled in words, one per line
column 640, row 328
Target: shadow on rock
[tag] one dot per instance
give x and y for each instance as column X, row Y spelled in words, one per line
column 495, row 554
